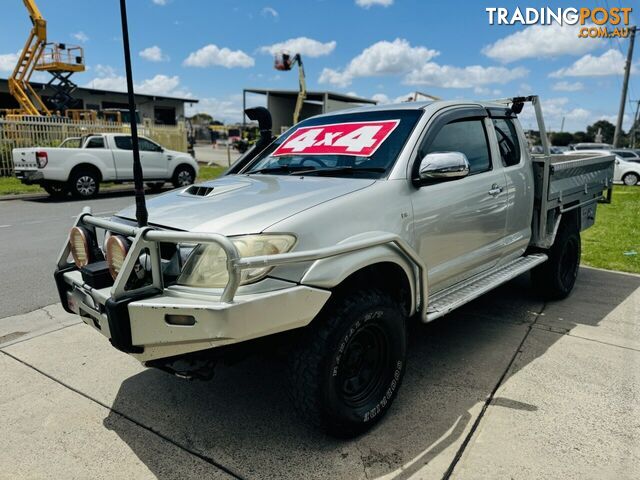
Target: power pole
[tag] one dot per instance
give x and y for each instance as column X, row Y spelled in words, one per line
column 635, row 125
column 625, row 86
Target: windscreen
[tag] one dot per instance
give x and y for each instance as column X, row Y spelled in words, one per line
column 364, row 144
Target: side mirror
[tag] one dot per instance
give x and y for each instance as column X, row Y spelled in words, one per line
column 442, row 166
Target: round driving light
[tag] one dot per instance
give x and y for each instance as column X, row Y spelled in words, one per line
column 79, row 245
column 116, row 252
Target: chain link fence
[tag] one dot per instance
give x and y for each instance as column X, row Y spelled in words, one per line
column 51, row 132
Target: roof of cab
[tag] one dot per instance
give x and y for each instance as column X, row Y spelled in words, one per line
column 413, row 106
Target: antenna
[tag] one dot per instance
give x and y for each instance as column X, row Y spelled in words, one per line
column 141, row 206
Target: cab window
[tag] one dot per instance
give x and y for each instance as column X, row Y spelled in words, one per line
column 507, row 141
column 148, row 146
column 123, row 143
column 95, row 142
column 464, row 136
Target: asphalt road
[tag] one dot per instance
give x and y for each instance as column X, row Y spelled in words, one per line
column 32, row 233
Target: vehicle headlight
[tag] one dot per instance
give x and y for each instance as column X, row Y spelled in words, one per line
column 79, row 245
column 207, row 264
column 116, row 250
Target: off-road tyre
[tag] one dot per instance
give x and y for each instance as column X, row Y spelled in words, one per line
column 84, row 183
column 347, row 369
column 555, row 278
column 183, row 176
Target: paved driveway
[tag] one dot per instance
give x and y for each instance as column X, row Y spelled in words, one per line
column 507, row 387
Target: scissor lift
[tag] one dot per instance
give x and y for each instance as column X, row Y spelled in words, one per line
column 60, row 60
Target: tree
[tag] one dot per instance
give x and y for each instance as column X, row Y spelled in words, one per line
column 202, row 119
column 607, row 128
column 580, row 137
column 561, row 139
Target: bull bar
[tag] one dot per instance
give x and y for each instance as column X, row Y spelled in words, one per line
column 149, row 238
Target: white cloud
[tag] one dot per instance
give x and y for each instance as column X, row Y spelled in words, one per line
column 8, row 61
column 485, row 91
column 541, row 41
column 153, row 54
column 446, row 76
column 567, row 86
column 381, row 98
column 81, row 37
column 160, row 2
column 307, row 47
column 211, row 55
column 555, row 110
column 381, row 58
column 108, row 79
column 269, row 12
column 159, row 85
column 228, row 109
column 384, row 99
column 610, row 62
column 370, row 3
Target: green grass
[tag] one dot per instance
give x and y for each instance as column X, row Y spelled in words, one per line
column 616, row 232
column 209, row 173
column 13, row 186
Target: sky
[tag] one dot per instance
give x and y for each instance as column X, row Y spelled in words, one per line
column 381, row 49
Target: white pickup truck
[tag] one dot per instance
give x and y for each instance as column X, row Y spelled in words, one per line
column 101, row 158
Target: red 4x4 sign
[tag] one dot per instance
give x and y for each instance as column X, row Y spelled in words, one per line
column 355, row 138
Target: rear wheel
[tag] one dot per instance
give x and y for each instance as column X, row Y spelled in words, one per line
column 183, row 176
column 348, row 369
column 631, row 179
column 84, row 183
column 56, row 190
column 555, row 278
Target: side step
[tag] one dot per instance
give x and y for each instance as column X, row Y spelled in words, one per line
column 457, row 295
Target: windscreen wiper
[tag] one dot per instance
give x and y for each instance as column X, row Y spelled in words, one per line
column 322, row 171
column 281, row 168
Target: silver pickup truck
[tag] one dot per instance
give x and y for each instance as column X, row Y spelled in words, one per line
column 332, row 238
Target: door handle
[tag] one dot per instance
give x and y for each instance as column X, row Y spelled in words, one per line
column 495, row 190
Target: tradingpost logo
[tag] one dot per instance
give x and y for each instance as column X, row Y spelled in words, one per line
column 595, row 22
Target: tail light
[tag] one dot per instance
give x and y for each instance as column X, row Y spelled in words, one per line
column 42, row 159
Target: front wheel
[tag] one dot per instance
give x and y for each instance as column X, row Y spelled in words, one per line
column 183, row 176
column 347, row 371
column 631, row 179
column 555, row 278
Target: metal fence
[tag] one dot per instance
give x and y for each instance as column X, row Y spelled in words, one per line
column 50, row 132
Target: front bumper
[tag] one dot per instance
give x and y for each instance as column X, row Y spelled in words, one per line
column 139, row 325
column 30, row 177
column 138, row 320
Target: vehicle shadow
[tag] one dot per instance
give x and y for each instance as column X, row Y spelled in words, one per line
column 243, row 420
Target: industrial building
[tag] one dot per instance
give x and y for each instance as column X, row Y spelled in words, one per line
column 161, row 109
column 281, row 104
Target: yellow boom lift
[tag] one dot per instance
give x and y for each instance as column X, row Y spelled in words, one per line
column 285, row 62
column 60, row 60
